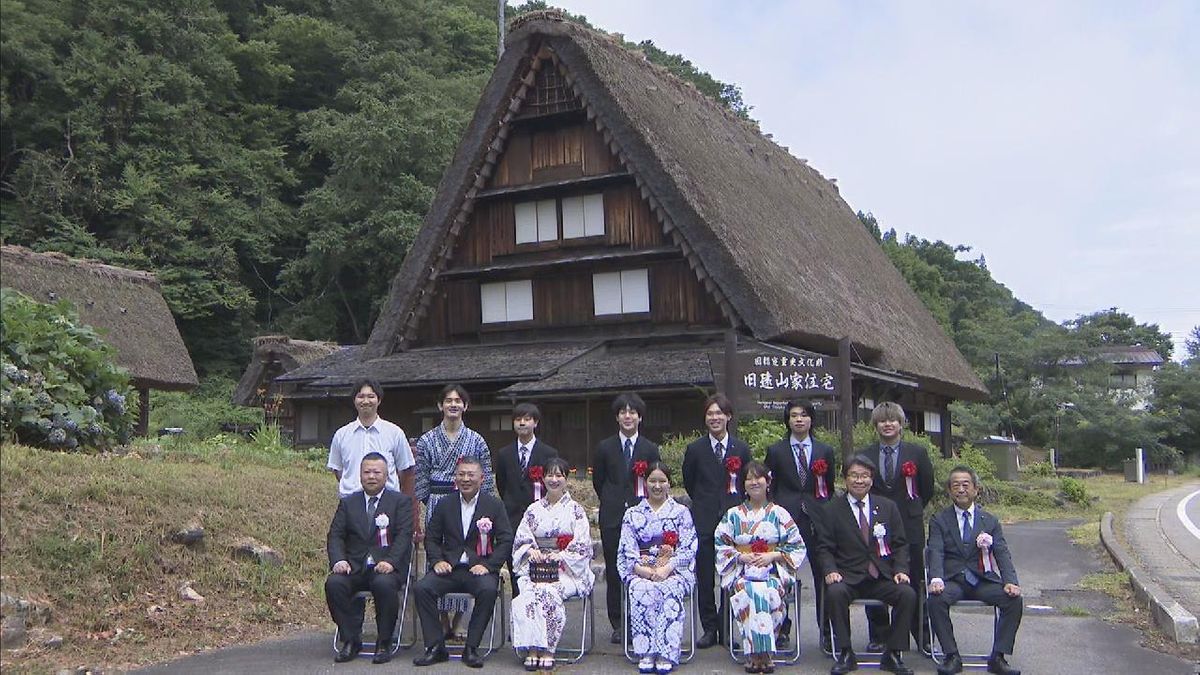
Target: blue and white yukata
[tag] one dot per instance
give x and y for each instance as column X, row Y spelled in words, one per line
column 657, row 609
column 757, row 594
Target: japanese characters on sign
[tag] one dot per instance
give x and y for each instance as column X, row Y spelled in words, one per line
column 807, row 375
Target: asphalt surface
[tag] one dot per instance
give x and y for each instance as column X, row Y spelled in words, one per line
column 1163, row 531
column 1057, row 640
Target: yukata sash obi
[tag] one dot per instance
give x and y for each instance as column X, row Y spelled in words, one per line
column 754, row 572
column 545, row 572
column 442, row 487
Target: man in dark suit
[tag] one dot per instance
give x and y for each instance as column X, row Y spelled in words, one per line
column 895, row 459
column 513, row 464
column 706, row 477
column 863, row 550
column 969, row 560
column 369, row 546
column 615, row 485
column 467, row 541
column 797, row 487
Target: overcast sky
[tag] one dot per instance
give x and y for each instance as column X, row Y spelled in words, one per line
column 1060, row 140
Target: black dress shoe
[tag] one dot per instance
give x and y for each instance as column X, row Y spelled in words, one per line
column 876, row 647
column 999, row 666
column 383, row 652
column 845, row 662
column 707, row 640
column 471, row 658
column 892, row 662
column 437, row 654
column 348, row 651
column 617, row 637
column 952, row 664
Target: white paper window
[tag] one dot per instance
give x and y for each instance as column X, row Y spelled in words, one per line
column 593, row 215
column 625, row 292
column 536, row 221
column 547, row 219
column 526, row 217
column 506, row 301
column 933, row 422
column 583, row 216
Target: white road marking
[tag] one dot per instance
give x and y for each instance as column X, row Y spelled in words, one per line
column 1181, row 511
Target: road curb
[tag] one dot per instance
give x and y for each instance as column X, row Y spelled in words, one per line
column 1175, row 621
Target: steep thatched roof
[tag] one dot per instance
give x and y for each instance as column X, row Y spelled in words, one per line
column 771, row 239
column 288, row 353
column 124, row 305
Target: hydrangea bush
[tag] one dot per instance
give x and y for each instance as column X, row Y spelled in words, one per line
column 59, row 385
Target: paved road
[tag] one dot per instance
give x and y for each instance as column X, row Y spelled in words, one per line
column 1163, row 531
column 1051, row 642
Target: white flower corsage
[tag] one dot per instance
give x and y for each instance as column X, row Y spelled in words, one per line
column 984, row 540
column 879, row 530
column 382, row 520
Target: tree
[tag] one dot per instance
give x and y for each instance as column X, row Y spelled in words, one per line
column 1112, row 328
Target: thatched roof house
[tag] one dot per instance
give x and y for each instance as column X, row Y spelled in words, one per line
column 715, row 225
column 125, row 306
column 273, row 356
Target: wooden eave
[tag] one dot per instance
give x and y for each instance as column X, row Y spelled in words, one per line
column 533, row 190
column 544, row 262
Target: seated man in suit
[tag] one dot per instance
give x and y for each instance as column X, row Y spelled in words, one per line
column 714, row 471
column 369, row 544
column 467, row 539
column 864, row 554
column 518, row 463
column 969, row 560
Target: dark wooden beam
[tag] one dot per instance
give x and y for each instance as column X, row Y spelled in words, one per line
column 534, row 188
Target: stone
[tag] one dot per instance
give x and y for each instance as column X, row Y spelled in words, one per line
column 12, row 632
column 186, row 592
column 53, row 642
column 189, row 535
column 251, row 548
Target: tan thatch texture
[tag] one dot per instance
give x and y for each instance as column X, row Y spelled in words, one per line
column 125, row 306
column 776, row 238
column 289, row 354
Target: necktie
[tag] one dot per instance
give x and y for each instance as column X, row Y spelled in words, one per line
column 372, row 505
column 865, row 532
column 889, row 463
column 720, row 450
column 801, row 465
column 628, row 453
column 968, row 542
column 524, row 457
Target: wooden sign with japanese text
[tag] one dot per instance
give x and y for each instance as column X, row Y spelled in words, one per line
column 765, row 379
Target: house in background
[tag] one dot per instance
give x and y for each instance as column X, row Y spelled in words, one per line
column 125, row 307
column 1131, row 370
column 273, row 356
column 600, row 229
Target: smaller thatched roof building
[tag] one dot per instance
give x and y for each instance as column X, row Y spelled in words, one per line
column 273, row 356
column 125, row 306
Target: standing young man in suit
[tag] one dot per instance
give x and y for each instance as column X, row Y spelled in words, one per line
column 801, row 480
column 969, row 560
column 369, row 545
column 864, row 553
column 615, row 483
column 714, row 467
column 514, row 464
column 466, row 542
column 905, row 476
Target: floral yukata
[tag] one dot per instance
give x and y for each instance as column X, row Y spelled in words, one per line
column 657, row 609
column 758, row 604
column 437, row 460
column 538, row 615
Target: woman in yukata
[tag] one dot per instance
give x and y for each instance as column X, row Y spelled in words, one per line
column 552, row 555
column 759, row 549
column 656, row 560
column 437, row 455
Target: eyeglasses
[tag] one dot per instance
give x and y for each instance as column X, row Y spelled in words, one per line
column 858, row 476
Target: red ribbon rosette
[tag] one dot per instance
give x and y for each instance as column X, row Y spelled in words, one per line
column 536, row 474
column 733, row 465
column 909, row 470
column 670, row 538
column 639, row 470
column 819, row 469
column 759, row 546
column 563, row 541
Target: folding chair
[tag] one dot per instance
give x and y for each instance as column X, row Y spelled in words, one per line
column 779, row 657
column 397, row 633
column 684, row 655
column 935, row 652
column 498, row 614
column 872, row 658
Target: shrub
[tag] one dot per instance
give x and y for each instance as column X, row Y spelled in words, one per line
column 1074, row 490
column 61, row 387
column 672, row 450
column 759, row 434
column 1039, row 470
column 201, row 412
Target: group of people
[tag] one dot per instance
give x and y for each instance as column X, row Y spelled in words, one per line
column 748, row 529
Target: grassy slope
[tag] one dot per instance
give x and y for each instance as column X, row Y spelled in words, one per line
column 90, row 535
